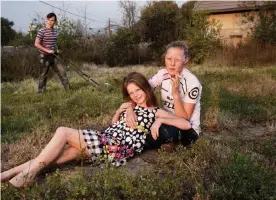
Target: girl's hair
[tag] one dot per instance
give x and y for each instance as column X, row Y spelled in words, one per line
column 50, row 15
column 140, row 81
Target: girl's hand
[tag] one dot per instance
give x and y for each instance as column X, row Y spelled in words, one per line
column 155, row 128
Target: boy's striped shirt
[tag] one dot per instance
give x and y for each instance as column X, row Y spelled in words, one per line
column 48, row 38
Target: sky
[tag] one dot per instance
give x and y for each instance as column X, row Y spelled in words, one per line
column 23, row 12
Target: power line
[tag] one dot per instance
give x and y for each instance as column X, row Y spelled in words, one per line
column 71, row 12
column 78, row 10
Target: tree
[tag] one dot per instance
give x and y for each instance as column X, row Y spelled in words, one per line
column 80, row 29
column 264, row 22
column 160, row 22
column 186, row 12
column 122, row 48
column 22, row 39
column 130, row 13
column 67, row 33
column 7, row 33
column 202, row 36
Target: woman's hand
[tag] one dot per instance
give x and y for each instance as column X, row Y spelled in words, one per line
column 131, row 118
column 175, row 86
column 155, row 128
column 123, row 107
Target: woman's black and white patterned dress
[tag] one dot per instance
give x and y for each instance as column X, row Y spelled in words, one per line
column 118, row 142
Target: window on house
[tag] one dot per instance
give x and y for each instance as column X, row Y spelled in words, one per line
column 235, row 40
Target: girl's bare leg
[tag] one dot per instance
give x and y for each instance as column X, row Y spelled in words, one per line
column 53, row 151
column 6, row 175
column 69, row 153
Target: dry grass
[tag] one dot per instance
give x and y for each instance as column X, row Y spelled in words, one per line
column 250, row 54
column 29, row 121
column 261, row 85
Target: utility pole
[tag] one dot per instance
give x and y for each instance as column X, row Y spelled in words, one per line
column 85, row 21
column 83, row 12
column 109, row 28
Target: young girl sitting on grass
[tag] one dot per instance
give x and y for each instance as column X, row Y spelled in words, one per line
column 116, row 144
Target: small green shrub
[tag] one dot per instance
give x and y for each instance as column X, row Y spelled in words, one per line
column 242, row 178
column 22, row 64
column 122, row 48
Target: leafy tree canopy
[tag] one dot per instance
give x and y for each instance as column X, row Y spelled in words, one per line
column 7, row 32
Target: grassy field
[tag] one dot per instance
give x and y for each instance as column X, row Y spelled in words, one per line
column 235, row 157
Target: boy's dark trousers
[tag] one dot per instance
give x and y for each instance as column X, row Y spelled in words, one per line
column 45, row 62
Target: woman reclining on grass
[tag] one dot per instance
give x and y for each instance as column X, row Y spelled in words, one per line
column 117, row 143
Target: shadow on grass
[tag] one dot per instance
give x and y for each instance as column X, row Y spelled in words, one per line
column 258, row 109
column 206, row 102
column 14, row 127
column 80, row 85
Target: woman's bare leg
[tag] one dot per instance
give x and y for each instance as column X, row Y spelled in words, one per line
column 53, row 151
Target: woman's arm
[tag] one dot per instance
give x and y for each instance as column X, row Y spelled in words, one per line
column 169, row 119
column 131, row 117
column 181, row 109
column 163, row 117
column 184, row 110
column 122, row 108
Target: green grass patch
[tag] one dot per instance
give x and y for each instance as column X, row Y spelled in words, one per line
column 257, row 109
column 242, row 178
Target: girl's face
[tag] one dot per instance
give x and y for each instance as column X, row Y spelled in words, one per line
column 137, row 94
column 174, row 61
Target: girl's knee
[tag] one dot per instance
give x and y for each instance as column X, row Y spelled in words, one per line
column 60, row 131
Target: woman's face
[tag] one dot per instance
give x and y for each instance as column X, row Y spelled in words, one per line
column 174, row 61
column 137, row 94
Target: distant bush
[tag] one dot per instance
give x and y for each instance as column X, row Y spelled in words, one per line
column 20, row 64
column 202, row 36
column 21, row 39
column 250, row 54
column 90, row 50
column 7, row 32
column 263, row 18
column 122, row 48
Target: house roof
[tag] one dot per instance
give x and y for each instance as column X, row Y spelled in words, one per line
column 217, row 7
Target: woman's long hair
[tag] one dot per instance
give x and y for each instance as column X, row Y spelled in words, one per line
column 140, row 81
